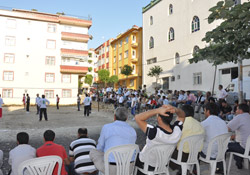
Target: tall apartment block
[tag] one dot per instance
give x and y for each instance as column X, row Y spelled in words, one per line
column 42, row 53
column 126, row 49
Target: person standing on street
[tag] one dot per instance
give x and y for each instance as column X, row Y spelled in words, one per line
column 1, row 103
column 37, row 104
column 43, row 107
column 78, row 101
column 57, row 101
column 86, row 103
column 28, row 103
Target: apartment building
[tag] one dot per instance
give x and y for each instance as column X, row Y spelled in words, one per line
column 126, row 49
column 42, row 53
column 172, row 31
column 103, row 54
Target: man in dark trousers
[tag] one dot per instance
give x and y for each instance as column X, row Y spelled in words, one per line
column 78, row 101
column 43, row 107
column 37, row 103
column 87, row 102
column 27, row 103
column 57, row 101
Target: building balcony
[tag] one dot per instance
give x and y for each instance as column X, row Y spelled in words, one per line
column 73, row 69
column 134, row 60
column 134, row 45
column 74, row 37
column 75, row 21
column 74, row 53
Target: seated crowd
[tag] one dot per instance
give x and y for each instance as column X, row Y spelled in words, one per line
column 87, row 157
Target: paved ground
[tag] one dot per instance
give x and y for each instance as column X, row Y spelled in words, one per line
column 65, row 123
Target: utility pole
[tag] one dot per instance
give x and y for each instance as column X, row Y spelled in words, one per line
column 240, row 82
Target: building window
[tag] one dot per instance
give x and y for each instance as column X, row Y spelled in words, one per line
column 152, row 60
column 171, row 34
column 120, row 56
column 195, row 24
column 50, row 60
column 115, row 47
column 51, row 44
column 107, row 48
column 10, row 41
column 66, row 93
column 114, row 59
column 134, row 69
column 7, row 93
column 196, row 49
column 177, row 58
column 151, row 43
column 114, row 71
column 133, row 53
column 173, row 78
column 120, row 70
column 49, row 77
column 8, row 75
column 197, row 78
column 178, row 77
column 126, row 54
column 67, row 28
column 66, row 78
column 11, row 23
column 131, row 83
column 49, row 93
column 9, row 58
column 120, row 44
column 151, row 20
column 225, row 71
column 171, row 9
column 134, row 39
column 126, row 40
column 52, row 28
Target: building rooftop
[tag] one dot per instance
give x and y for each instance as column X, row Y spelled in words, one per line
column 150, row 5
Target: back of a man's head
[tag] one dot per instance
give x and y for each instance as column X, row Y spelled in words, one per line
column 167, row 119
column 121, row 114
column 244, row 107
column 49, row 135
column 22, row 138
column 212, row 108
column 82, row 131
column 188, row 110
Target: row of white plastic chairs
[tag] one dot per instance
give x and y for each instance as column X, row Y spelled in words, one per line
column 125, row 153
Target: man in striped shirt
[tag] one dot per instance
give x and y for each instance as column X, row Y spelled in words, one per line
column 79, row 153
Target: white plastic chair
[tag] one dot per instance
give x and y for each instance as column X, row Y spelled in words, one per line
column 195, row 143
column 163, row 153
column 246, row 156
column 40, row 166
column 222, row 143
column 123, row 155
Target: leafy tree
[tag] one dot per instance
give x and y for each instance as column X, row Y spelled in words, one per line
column 155, row 72
column 230, row 41
column 127, row 70
column 89, row 61
column 90, row 69
column 103, row 75
column 113, row 79
column 88, row 79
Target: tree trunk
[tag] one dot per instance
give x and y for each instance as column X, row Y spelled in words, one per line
column 240, row 82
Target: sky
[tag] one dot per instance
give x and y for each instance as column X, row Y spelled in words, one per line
column 109, row 17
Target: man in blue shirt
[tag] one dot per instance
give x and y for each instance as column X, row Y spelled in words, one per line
column 113, row 134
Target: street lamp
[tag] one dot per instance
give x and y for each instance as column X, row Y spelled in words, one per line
column 96, row 86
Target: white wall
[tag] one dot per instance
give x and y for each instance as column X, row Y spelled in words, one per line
column 185, row 40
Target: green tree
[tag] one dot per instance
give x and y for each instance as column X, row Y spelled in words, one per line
column 155, row 72
column 127, row 70
column 88, row 79
column 113, row 79
column 103, row 76
column 90, row 61
column 230, row 41
column 90, row 69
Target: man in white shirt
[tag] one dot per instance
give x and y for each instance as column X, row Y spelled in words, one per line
column 43, row 107
column 1, row 103
column 199, row 101
column 222, row 94
column 21, row 153
column 37, row 104
column 213, row 126
column 240, row 124
column 87, row 102
column 121, row 99
column 133, row 104
column 165, row 100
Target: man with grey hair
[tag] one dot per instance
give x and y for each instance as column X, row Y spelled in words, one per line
column 113, row 134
